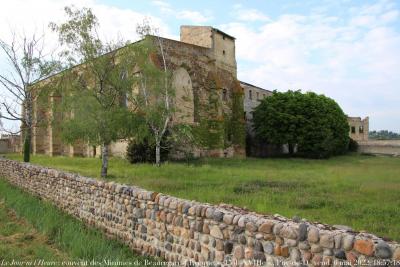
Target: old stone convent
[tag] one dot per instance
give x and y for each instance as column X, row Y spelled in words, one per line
column 204, row 70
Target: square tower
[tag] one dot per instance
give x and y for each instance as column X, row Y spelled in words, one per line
column 221, row 44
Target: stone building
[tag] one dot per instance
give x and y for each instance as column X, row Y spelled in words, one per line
column 252, row 97
column 359, row 128
column 203, row 64
column 9, row 143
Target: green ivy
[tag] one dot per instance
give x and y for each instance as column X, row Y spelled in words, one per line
column 216, row 128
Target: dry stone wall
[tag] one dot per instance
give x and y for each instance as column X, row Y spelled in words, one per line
column 195, row 233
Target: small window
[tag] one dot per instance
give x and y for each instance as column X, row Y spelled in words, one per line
column 258, row 95
column 223, row 52
column 250, row 95
column 223, row 37
column 353, row 129
column 244, row 115
column 224, row 94
column 361, row 129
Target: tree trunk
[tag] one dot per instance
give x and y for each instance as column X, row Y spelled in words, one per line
column 104, row 160
column 158, row 154
column 27, row 146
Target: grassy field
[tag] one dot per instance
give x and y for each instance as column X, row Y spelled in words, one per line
column 31, row 229
column 360, row 191
column 19, row 240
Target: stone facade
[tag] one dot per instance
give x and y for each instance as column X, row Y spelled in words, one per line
column 10, row 143
column 359, row 128
column 183, row 231
column 203, row 65
column 252, row 97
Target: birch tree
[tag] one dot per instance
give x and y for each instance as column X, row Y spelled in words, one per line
column 28, row 62
column 155, row 92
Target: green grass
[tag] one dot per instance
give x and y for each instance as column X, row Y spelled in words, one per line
column 360, row 191
column 72, row 237
column 19, row 240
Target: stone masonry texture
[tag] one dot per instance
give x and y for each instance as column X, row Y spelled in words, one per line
column 187, row 232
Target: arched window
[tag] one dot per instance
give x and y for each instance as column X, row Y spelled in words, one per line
column 182, row 84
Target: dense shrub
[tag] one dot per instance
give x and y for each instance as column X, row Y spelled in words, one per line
column 353, row 145
column 315, row 123
column 144, row 151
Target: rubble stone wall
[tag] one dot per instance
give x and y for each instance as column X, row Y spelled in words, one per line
column 184, row 231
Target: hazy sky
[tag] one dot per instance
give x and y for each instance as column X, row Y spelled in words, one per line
column 347, row 50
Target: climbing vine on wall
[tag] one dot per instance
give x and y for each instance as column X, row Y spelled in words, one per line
column 236, row 125
column 219, row 128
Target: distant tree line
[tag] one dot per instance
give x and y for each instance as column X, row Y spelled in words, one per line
column 383, row 135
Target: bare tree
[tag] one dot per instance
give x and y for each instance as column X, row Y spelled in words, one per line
column 28, row 64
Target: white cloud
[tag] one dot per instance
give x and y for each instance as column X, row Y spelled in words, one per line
column 354, row 60
column 184, row 14
column 114, row 22
column 248, row 14
column 193, row 16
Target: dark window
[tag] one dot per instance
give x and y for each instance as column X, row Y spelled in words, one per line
column 224, row 94
column 361, row 129
column 223, row 52
column 223, row 37
column 250, row 95
column 353, row 129
column 244, row 115
column 124, row 100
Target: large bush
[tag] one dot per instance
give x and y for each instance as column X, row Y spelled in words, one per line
column 314, row 123
column 144, row 152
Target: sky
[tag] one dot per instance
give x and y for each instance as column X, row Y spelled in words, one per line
column 348, row 50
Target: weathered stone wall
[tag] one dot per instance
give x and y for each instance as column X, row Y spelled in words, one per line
column 180, row 230
column 380, row 147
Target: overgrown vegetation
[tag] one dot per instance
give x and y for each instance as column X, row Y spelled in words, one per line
column 19, row 240
column 315, row 124
column 68, row 234
column 355, row 190
column 217, row 128
column 353, row 145
column 143, row 151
